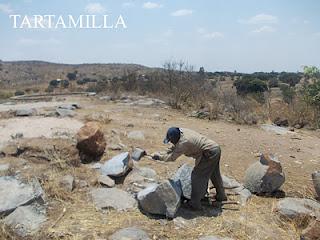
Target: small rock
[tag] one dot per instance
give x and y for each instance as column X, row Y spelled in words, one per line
column 138, row 153
column 312, row 232
column 296, row 208
column 106, row 181
column 316, row 182
column 131, row 233
column 115, row 147
column 27, row 112
column 16, row 136
column 112, row 198
column 117, row 166
column 106, row 98
column 90, row 141
column 26, row 220
column 130, row 125
column 136, row 135
column 264, row 176
column 183, row 176
column 72, row 106
column 61, row 112
column 161, row 199
column 67, row 182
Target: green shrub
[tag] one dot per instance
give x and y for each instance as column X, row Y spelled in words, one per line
column 248, row 85
column 19, row 93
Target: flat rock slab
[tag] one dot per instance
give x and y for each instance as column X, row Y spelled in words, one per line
column 161, row 199
column 14, row 193
column 183, row 176
column 117, row 166
column 112, row 198
column 26, row 220
column 26, row 112
column 136, row 135
column 131, row 233
column 293, row 208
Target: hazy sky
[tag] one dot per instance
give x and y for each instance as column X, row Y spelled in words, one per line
column 242, row 35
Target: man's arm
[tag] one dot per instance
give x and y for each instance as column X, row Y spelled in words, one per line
column 171, row 155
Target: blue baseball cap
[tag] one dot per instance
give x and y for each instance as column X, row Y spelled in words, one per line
column 173, row 135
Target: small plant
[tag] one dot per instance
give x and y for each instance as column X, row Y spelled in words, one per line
column 19, row 93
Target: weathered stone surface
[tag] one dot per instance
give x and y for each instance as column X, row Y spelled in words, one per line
column 61, row 112
column 131, row 233
column 106, row 181
column 183, row 176
column 316, row 182
column 67, row 182
column 136, row 135
column 161, row 199
column 312, row 232
column 112, row 198
column 264, row 176
column 14, row 193
column 90, row 140
column 26, row 112
column 138, row 153
column 117, row 166
column 293, row 208
column 140, row 178
column 26, row 220
column 244, row 194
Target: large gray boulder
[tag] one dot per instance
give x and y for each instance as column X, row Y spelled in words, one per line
column 316, row 182
column 161, row 199
column 14, row 193
column 26, row 220
column 26, row 112
column 295, row 208
column 117, row 166
column 140, row 178
column 183, row 176
column 112, row 198
column 131, row 233
column 264, row 176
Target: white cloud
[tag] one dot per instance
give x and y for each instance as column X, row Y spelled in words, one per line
column 260, row 19
column 6, row 8
column 264, row 29
column 127, row 4
column 95, row 8
column 182, row 12
column 209, row 35
column 151, row 5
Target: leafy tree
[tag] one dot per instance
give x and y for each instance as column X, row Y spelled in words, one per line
column 248, row 85
column 54, row 83
column 72, row 76
column 65, row 83
column 288, row 93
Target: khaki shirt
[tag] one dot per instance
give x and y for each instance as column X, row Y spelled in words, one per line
column 191, row 144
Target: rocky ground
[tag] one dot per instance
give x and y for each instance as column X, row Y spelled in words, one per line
column 47, row 193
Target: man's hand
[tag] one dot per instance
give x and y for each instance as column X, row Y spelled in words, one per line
column 156, row 156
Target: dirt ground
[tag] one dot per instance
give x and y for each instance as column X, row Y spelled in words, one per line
column 298, row 152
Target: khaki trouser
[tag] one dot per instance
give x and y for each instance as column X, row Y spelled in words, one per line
column 208, row 168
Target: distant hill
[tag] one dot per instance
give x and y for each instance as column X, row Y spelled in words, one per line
column 37, row 72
